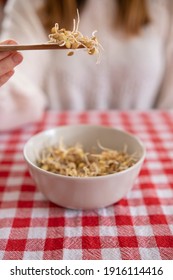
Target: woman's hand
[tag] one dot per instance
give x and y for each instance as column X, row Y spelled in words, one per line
column 8, row 61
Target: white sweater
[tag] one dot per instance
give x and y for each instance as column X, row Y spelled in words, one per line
column 134, row 73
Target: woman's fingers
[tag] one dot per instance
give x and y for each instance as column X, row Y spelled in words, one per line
column 4, row 78
column 4, row 55
column 7, row 42
column 9, row 62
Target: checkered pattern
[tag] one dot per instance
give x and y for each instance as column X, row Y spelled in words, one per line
column 140, row 226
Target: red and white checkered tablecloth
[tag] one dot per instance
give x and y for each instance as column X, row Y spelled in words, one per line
column 139, row 227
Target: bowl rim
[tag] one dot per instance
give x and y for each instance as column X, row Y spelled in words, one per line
column 140, row 142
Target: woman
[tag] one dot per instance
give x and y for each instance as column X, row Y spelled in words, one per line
column 136, row 65
column 8, row 61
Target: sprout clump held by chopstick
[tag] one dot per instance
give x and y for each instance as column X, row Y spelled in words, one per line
column 74, row 39
column 75, row 162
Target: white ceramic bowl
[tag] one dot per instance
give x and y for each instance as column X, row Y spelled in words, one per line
column 88, row 192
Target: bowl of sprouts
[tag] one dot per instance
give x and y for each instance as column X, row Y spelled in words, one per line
column 84, row 166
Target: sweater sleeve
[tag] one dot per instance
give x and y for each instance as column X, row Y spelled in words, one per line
column 165, row 98
column 23, row 97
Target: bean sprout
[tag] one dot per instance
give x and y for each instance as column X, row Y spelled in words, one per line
column 75, row 162
column 74, row 39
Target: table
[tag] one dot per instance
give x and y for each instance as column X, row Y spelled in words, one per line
column 139, row 227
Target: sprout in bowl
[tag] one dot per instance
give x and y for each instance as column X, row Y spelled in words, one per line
column 87, row 191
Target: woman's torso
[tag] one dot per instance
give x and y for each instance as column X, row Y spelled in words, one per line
column 129, row 74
